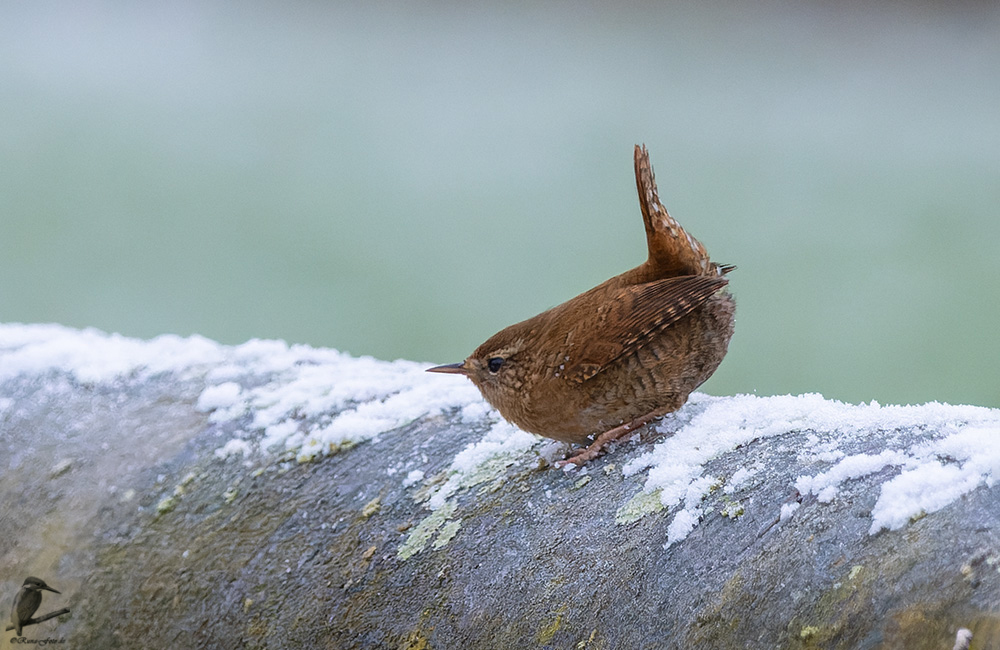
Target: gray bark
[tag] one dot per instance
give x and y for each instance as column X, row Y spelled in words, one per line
column 113, row 494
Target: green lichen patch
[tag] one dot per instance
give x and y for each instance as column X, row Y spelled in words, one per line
column 166, row 504
column 548, row 631
column 838, row 608
column 731, row 509
column 415, row 640
column 181, row 487
column 371, row 507
column 422, row 533
column 312, row 448
column 639, row 506
column 492, row 468
column 590, row 642
column 429, row 486
column 492, row 487
column 449, row 530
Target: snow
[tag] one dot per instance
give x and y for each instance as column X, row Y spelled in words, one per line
column 850, row 467
column 925, row 488
column 788, row 509
column 233, row 447
column 91, row 356
column 415, row 476
column 955, row 450
column 739, row 478
column 224, row 395
column 281, row 399
column 481, row 461
column 683, row 523
column 305, row 400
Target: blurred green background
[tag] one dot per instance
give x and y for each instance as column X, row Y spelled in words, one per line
column 403, row 180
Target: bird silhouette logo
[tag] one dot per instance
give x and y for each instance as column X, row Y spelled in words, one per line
column 27, row 602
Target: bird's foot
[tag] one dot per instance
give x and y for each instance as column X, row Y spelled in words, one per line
column 594, row 450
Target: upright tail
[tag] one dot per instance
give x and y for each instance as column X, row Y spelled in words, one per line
column 672, row 251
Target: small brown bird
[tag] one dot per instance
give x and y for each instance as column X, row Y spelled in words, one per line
column 620, row 355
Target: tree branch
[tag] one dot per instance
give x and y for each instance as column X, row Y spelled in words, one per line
column 35, row 621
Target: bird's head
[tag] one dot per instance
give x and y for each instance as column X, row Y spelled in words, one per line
column 37, row 584
column 498, row 368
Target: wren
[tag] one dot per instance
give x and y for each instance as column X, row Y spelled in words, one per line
column 612, row 359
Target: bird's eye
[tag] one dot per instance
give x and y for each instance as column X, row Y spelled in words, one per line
column 494, row 364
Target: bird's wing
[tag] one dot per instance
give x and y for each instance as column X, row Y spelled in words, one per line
column 637, row 313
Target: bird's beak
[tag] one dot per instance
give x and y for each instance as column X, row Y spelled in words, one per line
column 451, row 368
column 51, row 589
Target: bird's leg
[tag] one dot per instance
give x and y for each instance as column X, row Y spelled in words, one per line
column 609, row 436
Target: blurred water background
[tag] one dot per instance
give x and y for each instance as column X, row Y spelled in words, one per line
column 403, row 180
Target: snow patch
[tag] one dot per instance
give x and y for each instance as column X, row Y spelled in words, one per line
column 481, row 461
column 943, row 452
column 415, row 476
column 223, row 395
column 787, row 510
column 304, row 400
column 234, row 447
column 91, row 356
column 682, row 525
column 739, row 478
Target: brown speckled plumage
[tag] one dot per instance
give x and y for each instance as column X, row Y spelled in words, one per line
column 629, row 350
